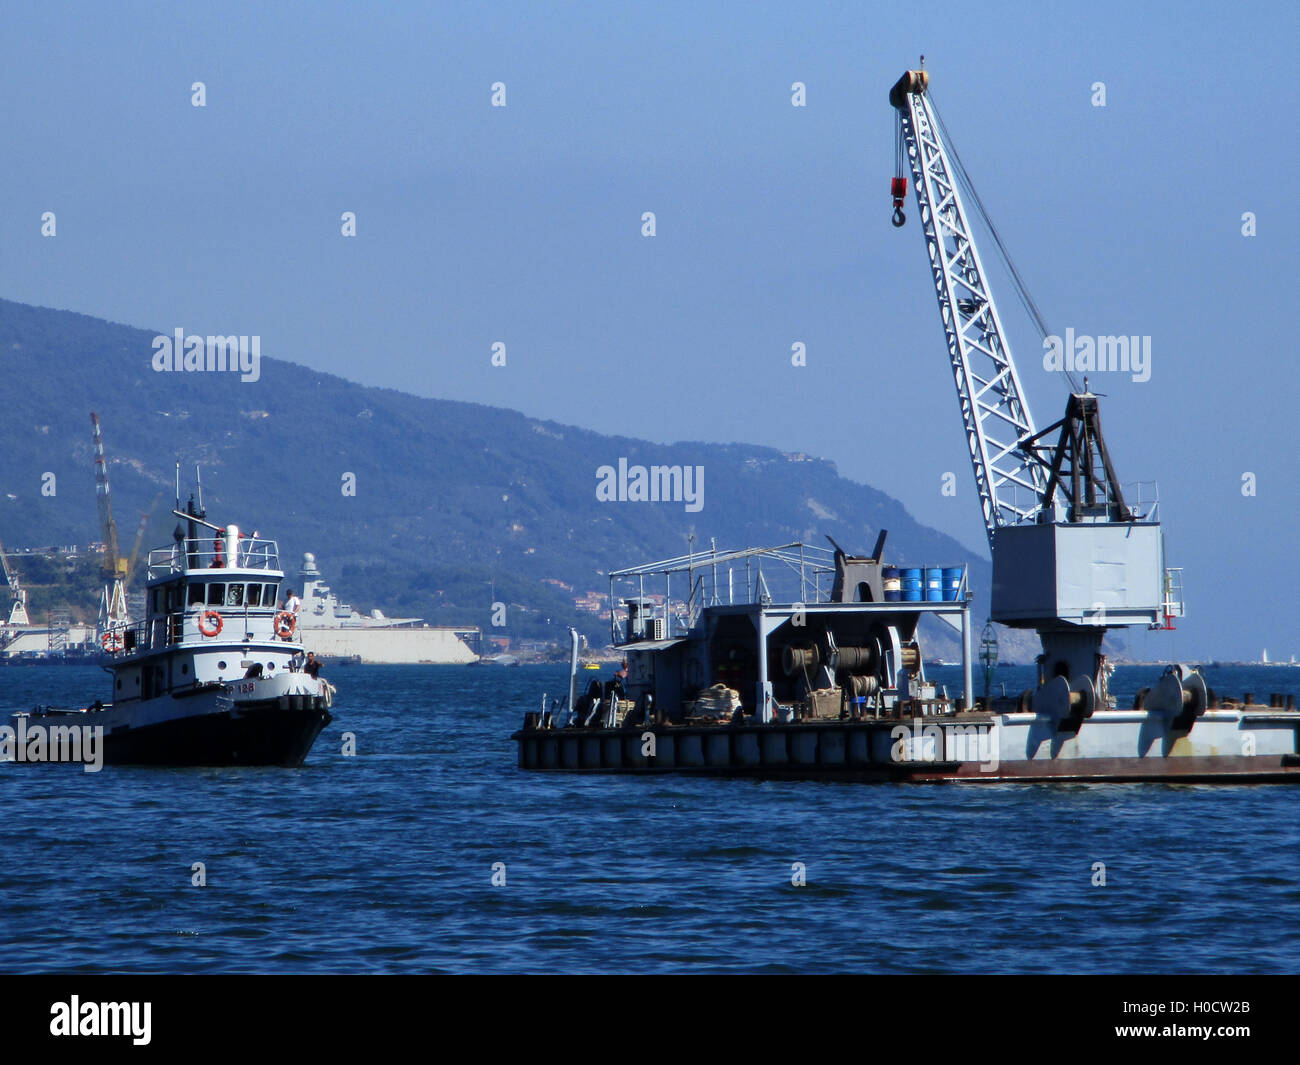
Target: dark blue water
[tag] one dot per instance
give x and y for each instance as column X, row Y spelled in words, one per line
column 383, row 862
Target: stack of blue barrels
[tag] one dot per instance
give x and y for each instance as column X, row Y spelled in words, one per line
column 931, row 584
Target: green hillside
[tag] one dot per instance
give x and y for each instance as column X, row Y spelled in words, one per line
column 454, row 501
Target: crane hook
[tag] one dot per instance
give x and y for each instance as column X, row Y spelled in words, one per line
column 898, row 190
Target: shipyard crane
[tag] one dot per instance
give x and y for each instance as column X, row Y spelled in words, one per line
column 112, row 609
column 18, row 606
column 1071, row 557
column 140, row 531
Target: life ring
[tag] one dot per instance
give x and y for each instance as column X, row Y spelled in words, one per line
column 285, row 623
column 111, row 642
column 216, row 623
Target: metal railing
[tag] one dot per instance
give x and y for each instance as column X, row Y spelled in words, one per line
column 791, row 573
column 169, row 630
column 210, row 553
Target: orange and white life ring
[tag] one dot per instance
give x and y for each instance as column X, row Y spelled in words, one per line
column 210, row 623
column 111, row 642
column 285, row 623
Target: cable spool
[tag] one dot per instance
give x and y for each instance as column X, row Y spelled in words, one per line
column 861, row 685
column 912, row 82
column 856, row 658
column 911, row 658
column 796, row 660
column 1180, row 696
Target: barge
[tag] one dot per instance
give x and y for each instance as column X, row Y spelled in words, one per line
column 830, row 682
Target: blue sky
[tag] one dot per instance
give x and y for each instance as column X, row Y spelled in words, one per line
column 522, row 225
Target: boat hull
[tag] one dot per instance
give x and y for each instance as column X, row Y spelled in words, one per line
column 977, row 748
column 252, row 734
column 205, row 728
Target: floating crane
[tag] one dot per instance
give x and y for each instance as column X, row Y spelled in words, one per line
column 112, row 608
column 1071, row 556
column 18, row 606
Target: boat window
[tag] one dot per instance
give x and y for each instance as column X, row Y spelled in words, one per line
column 155, row 606
column 254, row 595
column 216, row 594
column 196, row 595
column 174, row 597
column 235, row 595
column 268, row 594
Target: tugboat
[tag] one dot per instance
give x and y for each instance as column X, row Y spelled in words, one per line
column 212, row 676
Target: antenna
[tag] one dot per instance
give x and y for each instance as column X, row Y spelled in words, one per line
column 178, row 484
column 198, row 480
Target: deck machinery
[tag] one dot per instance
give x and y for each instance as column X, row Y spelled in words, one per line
column 1071, row 556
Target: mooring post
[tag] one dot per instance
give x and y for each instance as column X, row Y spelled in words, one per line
column 967, row 684
column 764, row 702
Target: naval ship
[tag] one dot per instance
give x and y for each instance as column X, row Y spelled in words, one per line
column 213, row 674
column 334, row 630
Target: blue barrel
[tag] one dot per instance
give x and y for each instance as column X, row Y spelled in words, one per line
column 933, row 584
column 911, row 585
column 893, row 584
column 951, row 583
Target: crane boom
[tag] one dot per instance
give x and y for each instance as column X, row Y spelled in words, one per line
column 1070, row 557
column 18, row 597
column 1009, row 476
column 113, row 604
column 108, row 527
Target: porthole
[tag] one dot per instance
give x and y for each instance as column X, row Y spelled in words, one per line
column 221, row 665
column 185, row 669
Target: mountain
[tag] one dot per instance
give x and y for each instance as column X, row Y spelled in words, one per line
column 456, row 505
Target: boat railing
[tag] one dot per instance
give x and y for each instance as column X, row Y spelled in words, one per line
column 1143, row 498
column 791, row 573
column 1020, row 506
column 170, row 630
column 190, row 554
column 643, row 604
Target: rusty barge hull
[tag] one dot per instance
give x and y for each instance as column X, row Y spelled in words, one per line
column 1222, row 746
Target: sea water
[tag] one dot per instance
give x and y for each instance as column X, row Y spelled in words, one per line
column 428, row 850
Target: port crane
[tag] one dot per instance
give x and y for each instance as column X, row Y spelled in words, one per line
column 1072, row 556
column 18, row 605
column 112, row 607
